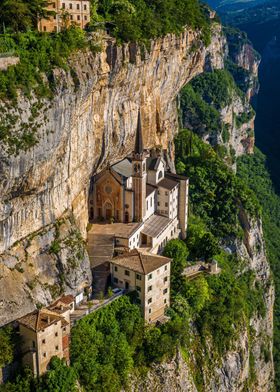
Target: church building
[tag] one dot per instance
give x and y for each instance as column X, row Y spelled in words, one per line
column 139, row 191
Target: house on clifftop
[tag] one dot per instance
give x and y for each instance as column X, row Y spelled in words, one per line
column 64, row 13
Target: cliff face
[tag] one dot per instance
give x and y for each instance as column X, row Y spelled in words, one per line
column 41, row 267
column 44, row 190
column 234, row 136
column 91, row 120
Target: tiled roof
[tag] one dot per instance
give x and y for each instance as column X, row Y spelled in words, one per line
column 144, row 263
column 155, row 225
column 153, row 163
column 150, row 189
column 176, row 176
column 124, row 168
column 65, row 300
column 167, row 183
column 40, row 319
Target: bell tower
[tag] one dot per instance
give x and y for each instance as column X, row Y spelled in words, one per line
column 139, row 174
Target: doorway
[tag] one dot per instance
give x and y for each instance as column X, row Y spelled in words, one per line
column 126, row 217
column 108, row 213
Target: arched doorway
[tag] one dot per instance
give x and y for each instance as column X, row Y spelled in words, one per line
column 126, row 217
column 91, row 213
column 108, row 210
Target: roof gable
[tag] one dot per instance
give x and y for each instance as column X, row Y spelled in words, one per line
column 143, row 263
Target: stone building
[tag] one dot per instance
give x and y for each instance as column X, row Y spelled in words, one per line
column 149, row 275
column 140, row 191
column 63, row 13
column 45, row 333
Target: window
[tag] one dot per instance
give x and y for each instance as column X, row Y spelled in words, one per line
column 85, row 17
column 147, row 204
column 150, row 310
column 44, row 355
column 78, row 17
column 158, row 192
column 53, row 4
column 160, row 175
column 138, row 277
column 151, row 201
column 150, row 288
column 165, row 301
column 64, row 329
column 85, row 7
column 138, row 289
column 63, row 6
column 45, row 29
column 166, row 193
column 70, row 6
column 150, row 276
column 166, row 204
column 165, row 291
column 56, row 347
column 126, row 272
column 71, row 17
column 158, row 203
column 116, row 280
column 165, row 279
column 150, row 300
column 56, row 334
column 165, row 268
column 78, row 6
column 116, row 269
column 44, row 341
column 33, row 344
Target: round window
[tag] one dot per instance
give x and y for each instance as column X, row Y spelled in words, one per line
column 108, row 189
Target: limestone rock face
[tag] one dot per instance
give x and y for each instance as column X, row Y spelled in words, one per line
column 38, row 269
column 92, row 120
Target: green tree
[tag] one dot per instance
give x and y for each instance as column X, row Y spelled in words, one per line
column 178, row 252
column 59, row 378
column 6, row 346
column 15, row 14
column 209, row 246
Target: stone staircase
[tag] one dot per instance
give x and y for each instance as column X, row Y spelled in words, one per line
column 100, row 249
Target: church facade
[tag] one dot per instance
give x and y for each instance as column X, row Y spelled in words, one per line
column 140, row 191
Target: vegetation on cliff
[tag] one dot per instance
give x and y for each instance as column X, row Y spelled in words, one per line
column 216, row 194
column 253, row 170
column 207, row 314
column 203, row 100
column 41, row 52
column 141, row 20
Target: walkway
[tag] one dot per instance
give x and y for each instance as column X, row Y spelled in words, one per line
column 100, row 247
column 92, row 306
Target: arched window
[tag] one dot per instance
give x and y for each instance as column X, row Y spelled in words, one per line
column 160, row 174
